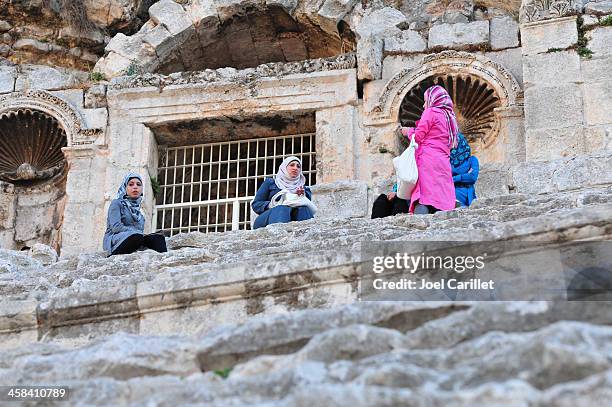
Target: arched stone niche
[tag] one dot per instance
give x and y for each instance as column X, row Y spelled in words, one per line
column 42, row 101
column 488, row 101
column 39, row 130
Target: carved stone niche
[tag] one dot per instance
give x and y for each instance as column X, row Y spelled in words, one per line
column 482, row 92
column 30, row 147
column 474, row 101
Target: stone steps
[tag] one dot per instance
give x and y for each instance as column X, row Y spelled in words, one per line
column 487, row 219
column 388, row 354
column 152, row 329
column 231, row 276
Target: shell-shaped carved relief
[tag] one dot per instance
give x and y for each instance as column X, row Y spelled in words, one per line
column 473, row 98
column 30, row 146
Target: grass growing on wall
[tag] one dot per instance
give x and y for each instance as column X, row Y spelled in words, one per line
column 581, row 45
column 606, row 22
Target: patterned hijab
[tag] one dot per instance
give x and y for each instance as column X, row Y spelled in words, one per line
column 133, row 205
column 436, row 97
column 284, row 181
column 462, row 152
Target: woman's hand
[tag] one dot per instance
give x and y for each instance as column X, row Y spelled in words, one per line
column 300, row 191
column 391, row 195
column 406, row 131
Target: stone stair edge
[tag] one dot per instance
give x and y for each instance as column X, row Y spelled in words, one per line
column 230, row 282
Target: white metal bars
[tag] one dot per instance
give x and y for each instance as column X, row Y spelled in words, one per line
column 209, row 187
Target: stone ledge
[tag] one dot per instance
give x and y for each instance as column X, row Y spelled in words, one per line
column 195, row 287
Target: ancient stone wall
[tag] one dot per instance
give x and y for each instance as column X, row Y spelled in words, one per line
column 512, row 101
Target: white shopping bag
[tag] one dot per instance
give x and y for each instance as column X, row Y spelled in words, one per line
column 406, row 171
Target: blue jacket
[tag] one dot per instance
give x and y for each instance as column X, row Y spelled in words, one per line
column 464, row 177
column 119, row 226
column 265, row 193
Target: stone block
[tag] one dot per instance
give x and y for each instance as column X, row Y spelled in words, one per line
column 74, row 229
column 95, row 97
column 540, row 36
column 454, row 17
column 188, row 321
column 95, row 118
column 342, row 199
column 73, row 96
column 335, row 153
column 44, row 77
column 504, row 33
column 171, row 15
column 598, row 138
column 598, row 102
column 600, row 41
column 511, row 59
column 493, row 180
column 552, row 69
column 5, row 26
column 33, row 222
column 43, row 253
column 380, row 23
column 598, row 7
column 7, row 210
column 130, row 47
column 371, row 94
column 7, row 239
column 369, row 58
column 510, row 142
column 7, row 79
column 460, row 35
column 393, row 64
column 553, row 107
column 112, row 65
column 564, row 174
column 332, row 11
column 589, row 21
column 18, row 314
column 406, row 42
column 29, row 44
column 161, row 40
column 593, row 69
column 5, row 50
column 201, row 10
column 92, row 35
column 550, row 144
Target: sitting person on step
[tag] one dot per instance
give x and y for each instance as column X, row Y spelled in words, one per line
column 389, row 205
column 284, row 198
column 465, row 170
column 125, row 222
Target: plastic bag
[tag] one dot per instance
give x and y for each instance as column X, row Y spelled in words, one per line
column 406, row 171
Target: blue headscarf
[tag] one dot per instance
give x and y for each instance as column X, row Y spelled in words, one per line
column 461, row 153
column 133, row 205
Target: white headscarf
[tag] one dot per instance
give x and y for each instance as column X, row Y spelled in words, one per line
column 284, row 181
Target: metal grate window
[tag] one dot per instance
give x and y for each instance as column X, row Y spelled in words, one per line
column 209, row 187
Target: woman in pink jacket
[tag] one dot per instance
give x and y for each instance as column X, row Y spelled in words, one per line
column 435, row 133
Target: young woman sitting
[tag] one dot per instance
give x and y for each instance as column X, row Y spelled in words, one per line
column 284, row 198
column 125, row 222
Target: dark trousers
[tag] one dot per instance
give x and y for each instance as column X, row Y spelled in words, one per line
column 134, row 242
column 383, row 207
